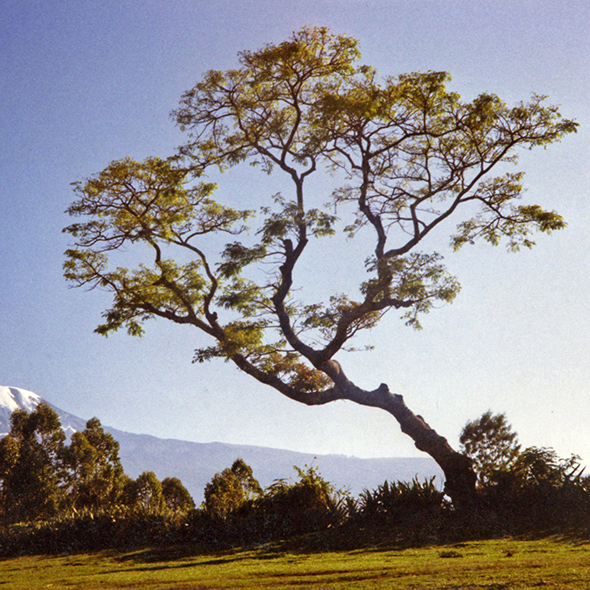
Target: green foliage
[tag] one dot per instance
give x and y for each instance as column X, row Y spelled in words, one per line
column 308, row 504
column 538, row 466
column 31, row 468
column 90, row 531
column 130, row 203
column 147, row 494
column 9, row 455
column 42, row 478
column 491, row 444
column 96, row 475
column 237, row 510
column 401, row 502
column 176, row 497
column 540, row 490
column 230, row 489
column 419, row 279
column 523, row 490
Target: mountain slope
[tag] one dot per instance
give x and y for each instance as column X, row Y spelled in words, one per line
column 196, row 463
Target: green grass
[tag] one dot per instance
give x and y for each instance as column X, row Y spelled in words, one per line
column 492, row 565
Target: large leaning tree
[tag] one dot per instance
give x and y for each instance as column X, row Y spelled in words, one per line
column 406, row 157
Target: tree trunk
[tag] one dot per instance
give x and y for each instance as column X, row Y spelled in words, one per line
column 459, row 475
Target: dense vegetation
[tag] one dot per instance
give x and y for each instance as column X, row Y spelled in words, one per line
column 42, row 477
column 62, row 498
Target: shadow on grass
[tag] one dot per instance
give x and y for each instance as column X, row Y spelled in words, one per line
column 572, row 536
column 335, row 541
column 216, row 557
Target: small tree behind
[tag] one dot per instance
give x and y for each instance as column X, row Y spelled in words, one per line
column 176, row 497
column 491, row 444
column 231, row 489
column 148, row 493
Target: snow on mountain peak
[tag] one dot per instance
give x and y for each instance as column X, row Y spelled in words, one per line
column 14, row 398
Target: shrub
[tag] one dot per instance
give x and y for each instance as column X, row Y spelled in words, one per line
column 88, row 531
column 283, row 510
column 540, row 490
column 307, row 505
column 401, row 502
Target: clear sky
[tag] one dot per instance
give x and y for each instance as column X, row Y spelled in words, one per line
column 83, row 83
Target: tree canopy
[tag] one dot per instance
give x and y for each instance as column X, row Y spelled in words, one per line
column 491, row 444
column 31, row 466
column 407, row 159
column 97, row 477
column 230, row 489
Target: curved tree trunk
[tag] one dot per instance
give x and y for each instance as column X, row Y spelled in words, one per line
column 459, row 475
column 460, row 478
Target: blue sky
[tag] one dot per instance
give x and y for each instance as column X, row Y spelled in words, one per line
column 83, row 83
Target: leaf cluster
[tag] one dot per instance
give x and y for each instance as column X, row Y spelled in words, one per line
column 491, row 444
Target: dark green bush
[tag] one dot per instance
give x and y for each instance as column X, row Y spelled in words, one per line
column 88, row 531
column 285, row 509
column 539, row 491
column 401, row 502
column 307, row 505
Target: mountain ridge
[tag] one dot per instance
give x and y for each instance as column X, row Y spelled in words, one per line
column 195, row 463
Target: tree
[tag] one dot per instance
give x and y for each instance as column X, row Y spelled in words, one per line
column 231, row 489
column 9, row 456
column 176, row 497
column 96, row 473
column 31, row 465
column 406, row 157
column 148, row 493
column 491, row 444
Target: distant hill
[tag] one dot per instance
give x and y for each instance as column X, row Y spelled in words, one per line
column 196, row 463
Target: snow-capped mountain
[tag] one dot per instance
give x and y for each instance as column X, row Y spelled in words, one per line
column 13, row 398
column 196, row 463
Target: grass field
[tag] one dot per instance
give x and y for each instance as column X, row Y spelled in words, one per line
column 505, row 564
